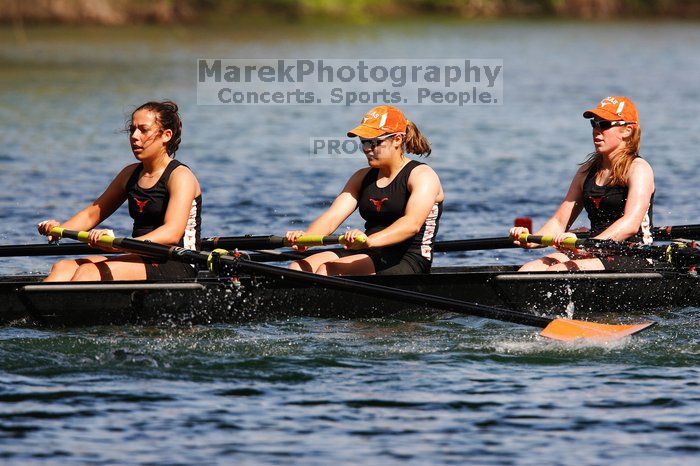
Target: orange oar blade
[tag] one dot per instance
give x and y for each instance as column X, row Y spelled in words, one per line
column 569, row 330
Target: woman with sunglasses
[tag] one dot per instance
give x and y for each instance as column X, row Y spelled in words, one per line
column 164, row 199
column 615, row 186
column 399, row 199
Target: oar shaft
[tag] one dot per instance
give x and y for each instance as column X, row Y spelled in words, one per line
column 676, row 232
column 271, row 242
column 474, row 244
column 47, row 250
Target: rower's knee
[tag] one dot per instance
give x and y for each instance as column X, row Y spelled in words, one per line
column 534, row 266
column 544, row 263
column 86, row 273
column 64, row 266
column 295, row 266
column 62, row 270
column 302, row 265
column 561, row 267
column 325, row 269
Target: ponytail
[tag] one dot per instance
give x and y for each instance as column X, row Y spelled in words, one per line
column 415, row 142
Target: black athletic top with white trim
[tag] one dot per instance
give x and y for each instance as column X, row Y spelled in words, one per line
column 606, row 204
column 147, row 206
column 380, row 207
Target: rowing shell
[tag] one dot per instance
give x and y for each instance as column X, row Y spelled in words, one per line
column 209, row 299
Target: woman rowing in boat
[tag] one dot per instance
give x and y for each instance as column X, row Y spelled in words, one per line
column 164, row 197
column 399, row 199
column 615, row 186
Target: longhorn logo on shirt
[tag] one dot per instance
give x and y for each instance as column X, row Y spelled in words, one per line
column 596, row 200
column 378, row 203
column 141, row 204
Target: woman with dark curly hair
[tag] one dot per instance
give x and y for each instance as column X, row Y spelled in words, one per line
column 164, row 197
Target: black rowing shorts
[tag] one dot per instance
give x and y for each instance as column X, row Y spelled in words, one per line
column 168, row 270
column 407, row 263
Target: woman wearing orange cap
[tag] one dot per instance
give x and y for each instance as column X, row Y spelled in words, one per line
column 615, row 186
column 399, row 199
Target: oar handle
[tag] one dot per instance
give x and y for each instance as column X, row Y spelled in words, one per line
column 546, row 240
column 320, row 240
column 83, row 236
column 144, row 248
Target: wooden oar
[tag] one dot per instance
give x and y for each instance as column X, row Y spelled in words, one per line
column 677, row 254
column 221, row 260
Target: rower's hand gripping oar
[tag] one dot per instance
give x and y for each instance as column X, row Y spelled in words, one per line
column 221, row 261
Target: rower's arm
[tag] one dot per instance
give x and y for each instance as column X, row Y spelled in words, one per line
column 424, row 186
column 343, row 206
column 103, row 206
column 183, row 188
column 640, row 185
column 568, row 210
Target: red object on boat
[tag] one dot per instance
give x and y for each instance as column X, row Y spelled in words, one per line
column 523, row 222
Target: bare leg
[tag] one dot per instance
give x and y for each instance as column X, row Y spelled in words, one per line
column 128, row 267
column 359, row 264
column 544, row 263
column 312, row 263
column 578, row 264
column 63, row 270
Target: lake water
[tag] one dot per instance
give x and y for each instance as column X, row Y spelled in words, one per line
column 308, row 391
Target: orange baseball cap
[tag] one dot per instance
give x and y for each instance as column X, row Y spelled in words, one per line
column 380, row 120
column 614, row 108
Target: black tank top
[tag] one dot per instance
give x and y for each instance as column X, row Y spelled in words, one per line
column 148, row 206
column 606, row 204
column 380, row 207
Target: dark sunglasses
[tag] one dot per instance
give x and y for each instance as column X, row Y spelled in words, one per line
column 371, row 144
column 602, row 125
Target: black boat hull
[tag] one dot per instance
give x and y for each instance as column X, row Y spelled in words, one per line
column 210, row 300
